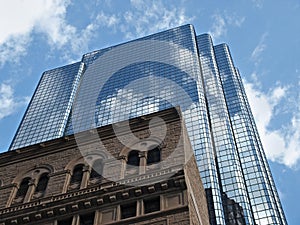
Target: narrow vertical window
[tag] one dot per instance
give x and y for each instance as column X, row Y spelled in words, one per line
column 153, row 156
column 97, row 170
column 133, row 158
column 133, row 163
column 41, row 186
column 76, row 177
column 22, row 191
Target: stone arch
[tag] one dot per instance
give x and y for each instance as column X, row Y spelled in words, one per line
column 34, row 173
column 70, row 169
column 93, row 156
column 79, row 160
column 26, row 182
column 142, row 145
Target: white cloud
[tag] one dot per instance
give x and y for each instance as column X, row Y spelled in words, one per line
column 17, row 20
column 148, row 17
column 13, row 48
column 234, row 20
column 51, row 22
column 8, row 102
column 20, row 19
column 281, row 145
column 221, row 22
column 109, row 21
column 219, row 26
column 48, row 18
column 144, row 18
column 259, row 49
column 258, row 3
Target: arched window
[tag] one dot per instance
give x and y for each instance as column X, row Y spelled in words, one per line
column 133, row 158
column 133, row 163
column 22, row 191
column 30, row 185
column 97, row 170
column 41, row 186
column 76, row 177
column 153, row 156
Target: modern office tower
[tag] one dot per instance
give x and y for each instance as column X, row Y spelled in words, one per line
column 57, row 183
column 170, row 68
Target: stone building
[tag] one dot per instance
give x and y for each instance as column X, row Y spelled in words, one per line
column 108, row 175
column 175, row 67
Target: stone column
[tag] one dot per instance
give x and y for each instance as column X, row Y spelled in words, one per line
column 85, row 176
column 123, row 159
column 7, row 194
column 32, row 185
column 143, row 162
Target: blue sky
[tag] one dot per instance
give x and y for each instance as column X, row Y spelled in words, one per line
column 264, row 38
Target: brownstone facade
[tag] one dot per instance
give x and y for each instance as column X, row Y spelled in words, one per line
column 75, row 180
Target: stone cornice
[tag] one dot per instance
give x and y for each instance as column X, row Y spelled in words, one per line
column 93, row 197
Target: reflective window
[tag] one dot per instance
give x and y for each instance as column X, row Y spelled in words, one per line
column 52, row 101
column 218, row 118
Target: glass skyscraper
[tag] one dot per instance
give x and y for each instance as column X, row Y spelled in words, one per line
column 171, row 68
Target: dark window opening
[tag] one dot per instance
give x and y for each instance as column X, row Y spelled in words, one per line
column 153, row 156
column 41, row 186
column 76, row 177
column 67, row 221
column 97, row 170
column 43, row 182
column 133, row 158
column 87, row 219
column 22, row 191
column 77, row 174
column 128, row 210
column 23, row 187
column 152, row 205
